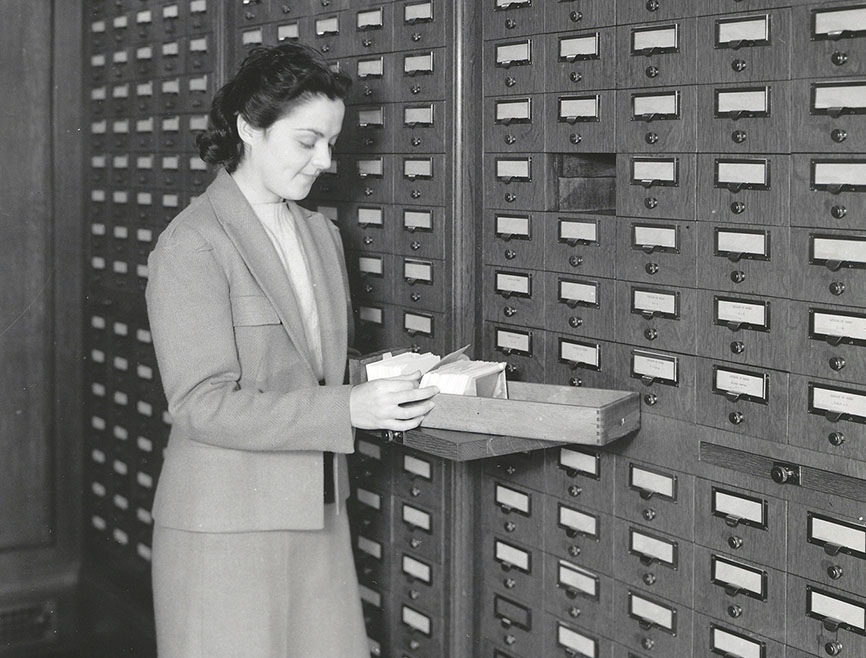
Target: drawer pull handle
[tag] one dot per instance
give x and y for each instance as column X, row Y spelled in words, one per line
column 575, row 322
column 837, row 288
column 648, row 514
column 510, row 23
column 368, row 191
column 510, row 639
column 650, row 202
column 511, row 197
column 738, row 276
column 652, row 5
column 838, row 135
column 577, row 382
column 649, row 579
column 735, row 611
column 416, row 37
column 414, row 245
column 510, row 526
column 575, row 261
column 651, row 268
column 510, row 254
column 651, row 138
column 650, row 333
column 510, row 139
column 738, row 65
column 575, row 16
column 573, row 550
column 510, row 81
column 368, row 240
column 415, row 194
column 415, row 297
column 738, row 347
column 735, row 543
column 647, row 643
column 836, row 438
column 834, row 571
column 367, row 43
column 415, row 89
column 368, row 91
column 736, row 417
column 837, row 363
column 833, row 648
column 575, row 138
column 574, row 491
column 738, row 136
column 575, row 76
column 838, row 212
column 738, row 207
column 785, row 474
column 416, row 141
column 509, row 583
column 574, row 612
column 839, row 58
column 651, row 399
column 651, row 71
column 414, row 594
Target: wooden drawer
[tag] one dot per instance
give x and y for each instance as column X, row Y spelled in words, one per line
column 512, row 512
column 504, row 19
column 728, row 639
column 419, row 529
column 419, row 476
column 656, row 317
column 562, row 638
column 421, row 231
column 665, row 380
column 420, row 127
column 575, row 593
column 830, row 115
column 514, row 66
column 578, row 305
column 582, row 60
column 579, row 534
column 420, row 24
column 656, row 252
column 524, row 350
column 657, row 54
column 582, row 475
column 512, row 295
column 512, row 568
column 420, row 179
column 514, row 239
column 416, row 631
column 580, row 361
column 829, row 341
column 825, row 621
column 830, row 266
column 751, row 189
column 421, row 283
column 514, row 123
column 656, row 498
column 580, row 122
column 519, row 181
column 656, row 186
column 828, row 39
column 578, row 15
column 636, row 11
column 420, row 582
column 647, row 623
column 660, row 120
column 657, row 563
column 422, row 75
column 580, row 244
column 520, row 469
column 828, row 190
column 828, row 417
column 752, row 118
column 510, row 624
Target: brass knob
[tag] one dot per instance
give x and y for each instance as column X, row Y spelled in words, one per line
column 368, row 191
column 414, row 542
column 414, row 594
column 573, row 550
column 651, row 71
column 838, row 212
column 833, row 648
column 509, row 311
column 510, row 81
column 415, row 194
column 367, row 43
column 510, row 639
column 649, row 579
column 511, row 369
column 650, row 333
column 575, row 138
column 510, row 23
column 510, row 139
column 574, row 611
column 416, row 141
column 415, row 89
column 839, row 58
column 574, row 491
column 510, row 254
column 575, row 261
column 837, row 288
column 647, row 643
column 652, row 5
column 738, row 276
column 574, row 76
column 414, row 645
column 414, row 245
column 651, row 138
column 651, row 268
column 834, row 571
column 510, row 470
column 735, row 542
column 415, row 297
column 510, row 526
column 736, row 417
column 738, row 207
column 738, row 136
column 325, row 48
column 781, row 473
column 650, row 202
column 511, row 197
column 738, row 347
column 575, row 322
column 738, row 65
column 367, row 90
column 837, row 363
column 648, row 514
column 368, row 240
column 735, row 611
column 416, row 36
column 509, row 583
column 414, row 492
column 836, row 438
column 651, row 399
column 575, row 16
column 838, row 135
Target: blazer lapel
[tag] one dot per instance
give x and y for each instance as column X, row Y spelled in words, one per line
column 328, row 288
column 255, row 248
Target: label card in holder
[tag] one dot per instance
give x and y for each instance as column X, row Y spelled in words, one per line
column 514, row 342
column 736, row 103
column 655, row 171
column 654, row 367
column 655, row 40
column 655, row 237
column 416, row 517
column 835, row 23
column 418, row 115
column 740, row 32
column 418, row 324
column 847, row 613
column 745, row 509
column 655, row 548
column 655, row 106
column 513, row 283
column 418, row 220
column 738, row 174
column 417, row 270
column 417, row 467
column 418, row 12
column 839, row 175
column 575, row 643
column 327, row 26
column 728, row 643
column 741, row 384
column 651, row 483
column 579, row 354
column 374, row 167
column 417, row 569
column 370, row 19
column 741, row 314
column 837, row 327
column 734, row 245
column 418, row 64
column 416, row 620
column 837, row 403
column 513, row 556
column 585, row 524
column 415, row 168
column 838, row 98
column 198, row 45
column 514, row 169
column 825, row 531
column 513, row 226
column 514, row 54
column 653, row 613
column 369, row 449
column 370, row 217
column 579, row 108
column 577, row 579
column 578, row 232
column 511, row 4
column 837, row 251
column 515, row 613
column 513, row 111
column 371, row 117
column 578, row 293
column 580, row 462
column 371, row 265
column 369, row 498
column 371, row 68
column 371, row 596
column 579, row 48
column 655, row 303
column 738, row 577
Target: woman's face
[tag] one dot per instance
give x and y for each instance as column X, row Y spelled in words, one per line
column 283, row 161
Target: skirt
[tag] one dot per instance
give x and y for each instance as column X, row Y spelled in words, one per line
column 271, row 594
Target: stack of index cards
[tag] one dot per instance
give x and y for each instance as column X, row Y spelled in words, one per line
column 402, row 364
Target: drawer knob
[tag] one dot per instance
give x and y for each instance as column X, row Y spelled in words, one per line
column 509, row 583
column 575, row 260
column 838, row 135
column 510, row 470
column 739, row 65
column 510, row 23
column 735, row 542
column 647, row 643
column 368, row 191
column 651, row 399
column 650, row 202
column 574, row 322
column 736, row 417
column 414, row 492
column 738, row 207
column 577, row 382
column 414, row 245
column 837, row 288
column 367, row 43
column 575, row 138
column 650, row 333
column 510, row 526
column 652, row 5
column 368, row 240
column 414, row 645
column 415, row 297
column 837, row 363
column 511, row 197
column 510, row 254
column 511, row 369
column 785, row 474
column 648, row 514
column 368, row 91
column 510, row 639
column 649, row 579
column 574, row 491
column 651, row 71
column 738, row 276
column 651, row 138
column 414, row 542
column 735, row 611
column 575, row 76
column 286, row 9
column 737, row 347
column 839, row 58
column 415, row 89
column 325, row 48
column 368, row 287
column 510, row 81
column 415, row 194
column 836, row 438
column 510, row 139
column 368, row 141
column 651, row 268
column 575, row 16
column 834, row 571
column 573, row 550
column 738, row 136
column 509, row 311
column 416, row 141
column 574, row 612
column 414, row 594
column 838, row 212
column 833, row 648
column 416, row 37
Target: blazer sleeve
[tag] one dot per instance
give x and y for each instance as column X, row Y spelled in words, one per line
column 190, row 316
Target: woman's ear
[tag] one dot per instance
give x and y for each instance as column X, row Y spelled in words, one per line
column 248, row 133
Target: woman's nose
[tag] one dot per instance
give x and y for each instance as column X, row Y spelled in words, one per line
column 322, row 156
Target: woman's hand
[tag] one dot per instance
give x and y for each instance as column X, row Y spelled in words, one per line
column 395, row 403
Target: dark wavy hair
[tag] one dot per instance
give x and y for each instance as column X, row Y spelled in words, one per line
column 271, row 80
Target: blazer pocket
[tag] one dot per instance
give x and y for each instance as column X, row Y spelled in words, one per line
column 253, row 311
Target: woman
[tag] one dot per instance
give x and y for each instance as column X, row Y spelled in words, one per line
column 249, row 311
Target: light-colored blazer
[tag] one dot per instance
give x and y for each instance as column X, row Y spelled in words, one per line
column 249, row 418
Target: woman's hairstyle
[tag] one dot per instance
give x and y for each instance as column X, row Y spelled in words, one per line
column 269, row 83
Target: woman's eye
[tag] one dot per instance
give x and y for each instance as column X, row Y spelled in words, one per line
column 307, row 145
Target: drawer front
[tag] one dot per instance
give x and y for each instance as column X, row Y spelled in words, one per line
column 518, row 182
column 371, row 276
column 582, row 60
column 829, row 341
column 420, row 24
column 655, row 498
column 748, row 189
column 420, row 582
column 512, row 512
column 523, row 350
column 747, row 594
column 369, row 178
column 744, row 259
column 582, row 475
column 365, row 227
column 665, row 380
column 372, row 561
column 580, row 122
column 656, row 317
column 374, row 77
column 420, row 127
column 514, row 239
column 514, row 66
column 416, row 631
column 656, row 252
column 564, row 639
column 753, row 118
column 514, row 123
column 828, row 417
column 368, row 129
column 371, row 513
column 657, row 121
column 420, row 179
column 370, row 466
column 581, row 361
column 512, row 295
column 657, row 54
column 578, row 15
column 577, row 305
column 418, row 529
column 420, row 230
column 521, row 470
column 579, row 534
column 829, row 39
column 421, row 75
column 655, row 562
column 828, row 190
column 830, row 266
column 421, row 477
column 827, row 548
column 513, row 569
column 509, row 624
column 656, row 186
column 744, row 399
column 420, row 330
column 830, row 115
column 744, row 329
column 575, row 593
column 651, row 624
column 742, row 523
column 744, row 47
column 503, row 19
column 713, row 637
column 374, row 326
column 370, row 29
column 579, row 244
column 421, row 283
column 813, row 610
